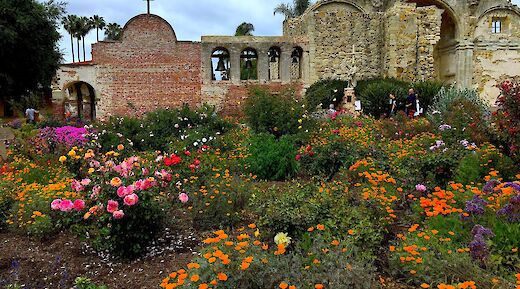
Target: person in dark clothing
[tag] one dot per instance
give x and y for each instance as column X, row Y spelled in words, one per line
column 411, row 103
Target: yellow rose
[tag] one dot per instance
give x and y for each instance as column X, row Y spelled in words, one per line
column 282, row 238
column 72, row 153
column 62, row 159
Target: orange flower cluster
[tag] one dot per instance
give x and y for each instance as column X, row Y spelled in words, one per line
column 441, row 202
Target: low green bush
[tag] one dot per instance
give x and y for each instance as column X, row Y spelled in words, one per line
column 374, row 95
column 271, row 158
column 275, row 114
column 325, row 92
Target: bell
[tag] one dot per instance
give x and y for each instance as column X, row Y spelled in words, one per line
column 221, row 66
column 273, row 58
column 249, row 64
column 295, row 59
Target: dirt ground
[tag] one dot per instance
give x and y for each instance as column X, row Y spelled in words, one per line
column 56, row 262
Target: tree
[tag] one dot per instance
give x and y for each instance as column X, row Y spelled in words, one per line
column 68, row 24
column 84, row 26
column 113, row 31
column 29, row 52
column 245, row 29
column 99, row 23
column 297, row 9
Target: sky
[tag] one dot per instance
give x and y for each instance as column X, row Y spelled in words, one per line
column 190, row 19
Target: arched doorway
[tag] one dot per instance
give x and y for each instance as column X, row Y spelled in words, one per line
column 445, row 51
column 80, row 100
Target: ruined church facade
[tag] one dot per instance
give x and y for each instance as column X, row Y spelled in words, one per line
column 470, row 43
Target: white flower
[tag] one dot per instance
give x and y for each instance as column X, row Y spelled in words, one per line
column 195, row 144
column 176, row 125
column 204, row 140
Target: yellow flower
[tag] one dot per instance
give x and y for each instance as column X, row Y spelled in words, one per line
column 120, row 147
column 282, row 238
column 62, row 159
column 72, row 153
column 257, row 233
column 91, row 170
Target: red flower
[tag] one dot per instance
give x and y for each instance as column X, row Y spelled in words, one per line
column 172, row 160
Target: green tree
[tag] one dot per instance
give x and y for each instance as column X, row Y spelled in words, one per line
column 245, row 29
column 113, row 31
column 84, row 26
column 290, row 11
column 68, row 24
column 98, row 23
column 29, row 52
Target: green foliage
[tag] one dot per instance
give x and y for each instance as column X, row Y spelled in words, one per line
column 426, row 91
column 159, row 129
column 275, row 114
column 6, row 202
column 374, row 95
column 326, row 160
column 475, row 166
column 325, row 92
column 449, row 97
column 85, row 283
column 271, row 158
column 507, row 120
column 292, row 207
column 28, row 39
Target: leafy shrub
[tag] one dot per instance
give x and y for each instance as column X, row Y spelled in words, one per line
column 85, row 283
column 275, row 114
column 325, row 92
column 427, row 90
column 374, row 95
column 475, row 166
column 292, row 207
column 507, row 119
column 159, row 129
column 449, row 97
column 271, row 158
column 326, row 160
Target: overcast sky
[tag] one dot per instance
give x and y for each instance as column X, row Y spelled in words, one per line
column 190, row 18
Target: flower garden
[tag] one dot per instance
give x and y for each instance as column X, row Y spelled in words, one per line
column 275, row 199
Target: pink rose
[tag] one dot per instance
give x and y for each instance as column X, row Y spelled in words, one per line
column 79, row 205
column 55, row 205
column 66, row 206
column 77, row 186
column 85, row 182
column 184, row 198
column 298, row 157
column 118, row 214
column 121, row 192
column 131, row 200
column 112, row 206
column 420, row 188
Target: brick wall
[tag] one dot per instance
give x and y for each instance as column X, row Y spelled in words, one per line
column 147, row 69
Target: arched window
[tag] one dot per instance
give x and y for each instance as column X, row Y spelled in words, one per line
column 274, row 54
column 296, row 63
column 248, row 64
column 220, row 64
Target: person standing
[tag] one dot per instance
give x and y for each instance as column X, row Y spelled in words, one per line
column 392, row 104
column 411, row 103
column 30, row 115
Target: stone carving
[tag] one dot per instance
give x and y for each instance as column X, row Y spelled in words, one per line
column 377, row 4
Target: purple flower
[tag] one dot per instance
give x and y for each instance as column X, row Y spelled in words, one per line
column 476, row 206
column 489, row 187
column 478, row 247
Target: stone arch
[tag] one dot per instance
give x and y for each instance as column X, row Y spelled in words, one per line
column 512, row 26
column 220, row 64
column 445, row 57
column 80, row 100
column 322, row 4
column 249, row 64
column 274, row 56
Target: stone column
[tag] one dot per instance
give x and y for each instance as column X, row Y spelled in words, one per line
column 234, row 61
column 464, row 72
column 263, row 66
column 285, row 64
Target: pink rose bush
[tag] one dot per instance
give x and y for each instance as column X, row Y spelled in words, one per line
column 126, row 198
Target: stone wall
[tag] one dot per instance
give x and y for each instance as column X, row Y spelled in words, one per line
column 343, row 38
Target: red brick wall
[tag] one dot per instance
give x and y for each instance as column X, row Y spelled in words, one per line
column 147, row 69
column 236, row 96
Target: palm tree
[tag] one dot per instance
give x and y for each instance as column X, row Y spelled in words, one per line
column 99, row 23
column 68, row 24
column 84, row 27
column 245, row 29
column 113, row 31
column 297, row 9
